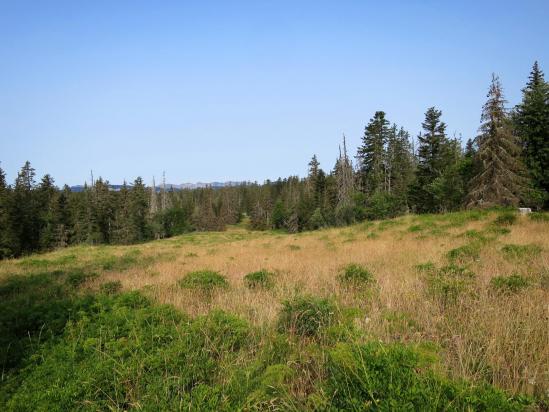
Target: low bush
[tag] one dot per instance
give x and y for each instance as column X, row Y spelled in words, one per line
column 382, row 377
column 111, row 288
column 204, row 280
column 539, row 216
column 509, row 284
column 261, row 279
column 355, row 276
column 521, row 251
column 465, row 253
column 506, row 219
column 306, row 315
column 448, row 282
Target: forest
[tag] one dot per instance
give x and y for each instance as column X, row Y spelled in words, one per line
column 506, row 165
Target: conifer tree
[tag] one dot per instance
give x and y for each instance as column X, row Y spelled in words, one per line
column 138, row 211
column 531, row 120
column 6, row 233
column 500, row 180
column 371, row 155
column 431, row 159
column 46, row 204
column 400, row 168
column 343, row 173
column 25, row 219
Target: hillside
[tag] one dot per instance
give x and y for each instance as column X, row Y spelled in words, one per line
column 424, row 312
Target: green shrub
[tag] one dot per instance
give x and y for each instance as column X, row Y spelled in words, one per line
column 260, row 279
column 203, row 280
column 509, row 284
column 110, row 288
column 306, row 315
column 506, row 219
column 355, row 276
column 468, row 252
column 294, row 247
column 382, row 377
column 521, row 251
column 539, row 216
column 161, row 360
column 76, row 278
column 416, row 228
column 448, row 282
column 498, row 230
column 427, row 267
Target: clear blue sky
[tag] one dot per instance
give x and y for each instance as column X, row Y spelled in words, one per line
column 243, row 90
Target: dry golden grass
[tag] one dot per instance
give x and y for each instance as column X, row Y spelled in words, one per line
column 484, row 336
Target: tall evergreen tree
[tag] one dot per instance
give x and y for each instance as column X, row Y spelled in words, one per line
column 6, row 232
column 400, row 168
column 430, row 159
column 531, row 120
column 371, row 154
column 25, row 217
column 500, row 180
column 138, row 212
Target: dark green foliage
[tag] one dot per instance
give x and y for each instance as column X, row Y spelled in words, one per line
column 371, row 154
column 355, row 276
column 161, row 360
column 449, row 282
column 539, row 216
column 500, row 180
column 509, row 284
column 531, row 120
column 260, row 279
column 306, row 315
column 521, row 251
column 382, row 206
column 506, row 219
column 437, row 168
column 204, row 280
column 396, row 378
column 468, row 252
column 316, row 221
column 110, row 288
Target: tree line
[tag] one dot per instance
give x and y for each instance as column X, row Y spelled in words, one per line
column 507, row 164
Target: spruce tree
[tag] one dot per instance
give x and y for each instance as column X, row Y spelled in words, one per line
column 430, row 159
column 6, row 232
column 400, row 168
column 371, row 154
column 25, row 214
column 531, row 120
column 500, row 180
column 138, row 212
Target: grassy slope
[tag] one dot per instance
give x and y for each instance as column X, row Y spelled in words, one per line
column 433, row 292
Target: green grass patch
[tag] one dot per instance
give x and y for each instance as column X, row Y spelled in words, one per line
column 355, row 276
column 539, row 216
column 506, row 219
column 521, row 252
column 262, row 279
column 375, row 376
column 204, row 281
column 449, row 282
column 465, row 253
column 111, row 288
column 509, row 284
column 306, row 315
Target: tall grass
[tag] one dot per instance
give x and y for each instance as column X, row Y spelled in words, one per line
column 68, row 323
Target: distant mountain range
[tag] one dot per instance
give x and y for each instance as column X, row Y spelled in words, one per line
column 169, row 186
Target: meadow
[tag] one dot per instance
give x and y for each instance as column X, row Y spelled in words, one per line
column 420, row 312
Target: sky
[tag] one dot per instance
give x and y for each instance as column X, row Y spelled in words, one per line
column 232, row 90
